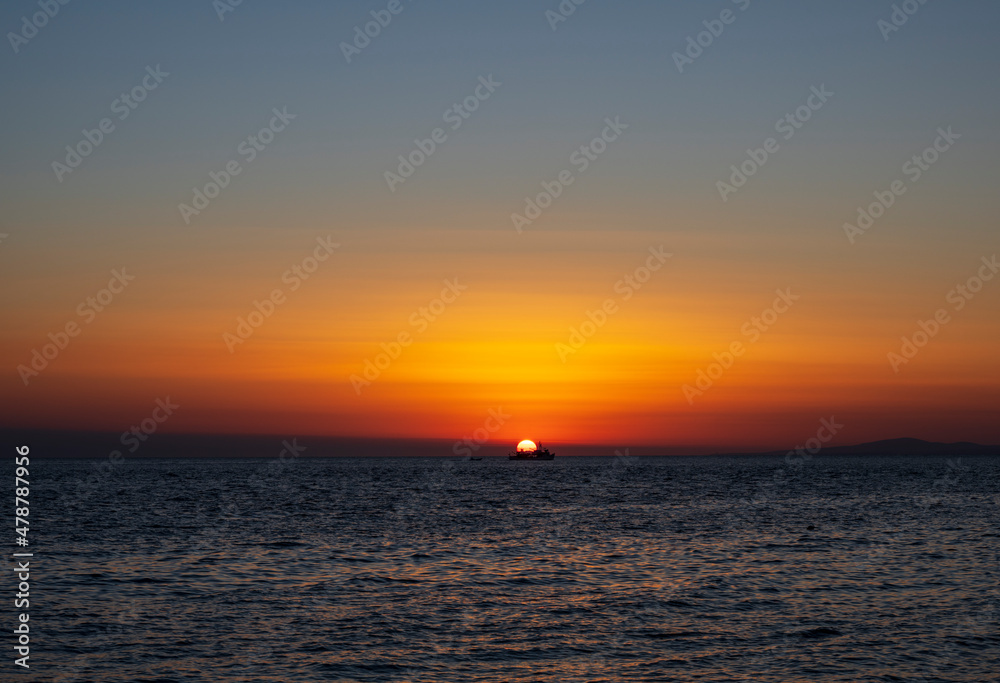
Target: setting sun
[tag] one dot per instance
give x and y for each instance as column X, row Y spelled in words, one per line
column 526, row 445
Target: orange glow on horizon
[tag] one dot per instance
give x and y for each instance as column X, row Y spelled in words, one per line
column 496, row 345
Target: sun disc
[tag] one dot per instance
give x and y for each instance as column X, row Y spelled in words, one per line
column 526, row 445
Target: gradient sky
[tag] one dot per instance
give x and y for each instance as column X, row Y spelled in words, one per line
column 496, row 345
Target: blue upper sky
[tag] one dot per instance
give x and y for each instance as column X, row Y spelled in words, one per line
column 606, row 59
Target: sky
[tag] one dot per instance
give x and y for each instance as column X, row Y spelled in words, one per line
column 575, row 245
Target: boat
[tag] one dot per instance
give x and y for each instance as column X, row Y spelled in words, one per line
column 535, row 453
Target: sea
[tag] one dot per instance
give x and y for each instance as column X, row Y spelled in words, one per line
column 714, row 568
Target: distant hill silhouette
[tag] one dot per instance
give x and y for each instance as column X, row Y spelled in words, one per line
column 907, row 447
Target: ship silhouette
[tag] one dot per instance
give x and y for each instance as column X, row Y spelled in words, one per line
column 538, row 454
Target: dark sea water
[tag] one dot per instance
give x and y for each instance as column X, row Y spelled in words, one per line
column 580, row 569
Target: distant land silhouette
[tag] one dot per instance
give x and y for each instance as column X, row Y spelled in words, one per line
column 79, row 444
column 904, row 446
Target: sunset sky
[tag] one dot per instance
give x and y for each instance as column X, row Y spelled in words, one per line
column 501, row 341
